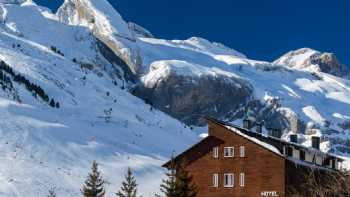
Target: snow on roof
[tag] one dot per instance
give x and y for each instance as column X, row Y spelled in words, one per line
column 253, row 139
column 346, row 163
column 272, row 148
column 307, row 164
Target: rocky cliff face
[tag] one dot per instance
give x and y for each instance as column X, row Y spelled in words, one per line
column 83, row 57
column 192, row 78
column 106, row 24
column 64, row 102
column 139, row 31
column 189, row 96
column 329, row 63
column 314, row 61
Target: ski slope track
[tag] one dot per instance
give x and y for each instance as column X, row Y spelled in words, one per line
column 82, row 58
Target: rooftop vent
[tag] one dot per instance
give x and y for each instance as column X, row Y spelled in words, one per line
column 293, row 138
column 277, row 133
column 246, row 123
column 258, row 127
column 316, row 142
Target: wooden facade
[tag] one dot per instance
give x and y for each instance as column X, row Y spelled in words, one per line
column 258, row 166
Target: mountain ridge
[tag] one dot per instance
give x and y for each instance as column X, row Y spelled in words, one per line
column 112, row 87
column 192, row 78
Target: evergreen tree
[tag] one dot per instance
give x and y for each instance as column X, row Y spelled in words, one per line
column 184, row 185
column 179, row 182
column 168, row 187
column 52, row 193
column 52, row 103
column 54, row 49
column 57, row 105
column 93, row 186
column 129, row 186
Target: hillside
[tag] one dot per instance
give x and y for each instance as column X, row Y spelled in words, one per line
column 124, row 98
column 44, row 147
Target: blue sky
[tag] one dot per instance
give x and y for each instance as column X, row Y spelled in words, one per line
column 261, row 29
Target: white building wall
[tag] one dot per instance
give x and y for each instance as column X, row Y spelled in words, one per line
column 308, row 157
column 296, row 153
column 319, row 160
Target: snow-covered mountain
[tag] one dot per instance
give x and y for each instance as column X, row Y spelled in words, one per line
column 314, row 61
column 83, row 84
column 43, row 147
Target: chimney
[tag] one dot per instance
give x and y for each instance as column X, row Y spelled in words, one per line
column 258, row 127
column 315, row 142
column 246, row 123
column 277, row 133
column 293, row 138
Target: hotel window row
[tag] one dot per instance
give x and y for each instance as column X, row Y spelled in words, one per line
column 229, row 151
column 229, row 180
column 311, row 157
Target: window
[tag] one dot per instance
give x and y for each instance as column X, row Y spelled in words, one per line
column 302, row 155
column 326, row 161
column 215, row 180
column 228, row 180
column 229, row 152
column 216, row 152
column 333, row 164
column 289, row 151
column 242, row 151
column 241, row 179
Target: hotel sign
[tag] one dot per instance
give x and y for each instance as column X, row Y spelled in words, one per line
column 269, row 194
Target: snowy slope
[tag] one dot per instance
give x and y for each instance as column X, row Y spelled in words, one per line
column 106, row 24
column 298, row 89
column 98, row 119
column 12, row 1
column 102, row 16
column 43, row 147
column 314, row 61
column 303, row 98
column 303, row 91
column 306, row 96
column 298, row 58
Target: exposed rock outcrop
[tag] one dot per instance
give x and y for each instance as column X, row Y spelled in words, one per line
column 106, row 24
column 314, row 61
column 189, row 95
column 139, row 31
column 192, row 78
column 270, row 114
column 345, row 125
column 328, row 63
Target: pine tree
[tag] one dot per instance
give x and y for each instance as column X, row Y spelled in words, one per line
column 52, row 193
column 129, row 186
column 52, row 103
column 57, row 105
column 179, row 182
column 93, row 186
column 184, row 185
column 168, row 187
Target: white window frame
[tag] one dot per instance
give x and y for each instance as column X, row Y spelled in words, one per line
column 242, row 179
column 215, row 180
column 242, row 151
column 227, row 149
column 227, row 184
column 216, row 152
